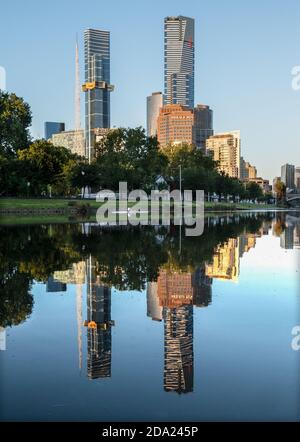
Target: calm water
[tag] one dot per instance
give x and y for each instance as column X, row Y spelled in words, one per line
column 142, row 324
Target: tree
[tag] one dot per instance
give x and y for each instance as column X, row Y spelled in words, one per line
column 15, row 120
column 253, row 191
column 129, row 155
column 46, row 165
column 280, row 190
column 84, row 175
column 197, row 169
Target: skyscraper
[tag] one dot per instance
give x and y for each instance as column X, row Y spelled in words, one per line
column 225, row 148
column 179, row 60
column 203, row 125
column 97, row 84
column 297, row 178
column 51, row 128
column 154, row 103
column 288, row 175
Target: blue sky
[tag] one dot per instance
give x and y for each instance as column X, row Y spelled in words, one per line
column 245, row 51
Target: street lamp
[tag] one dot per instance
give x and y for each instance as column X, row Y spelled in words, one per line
column 83, row 188
column 28, row 185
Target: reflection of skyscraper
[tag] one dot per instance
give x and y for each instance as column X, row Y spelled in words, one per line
column 179, row 352
column 98, row 325
column 55, row 286
column 287, row 237
column 174, row 289
column 154, row 310
column 175, row 295
column 226, row 261
column 2, row 339
column 297, row 236
column 202, row 288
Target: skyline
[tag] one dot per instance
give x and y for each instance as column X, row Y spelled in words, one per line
column 255, row 68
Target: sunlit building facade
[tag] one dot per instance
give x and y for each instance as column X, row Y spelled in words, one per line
column 154, row 104
column 72, row 139
column 225, row 148
column 175, row 125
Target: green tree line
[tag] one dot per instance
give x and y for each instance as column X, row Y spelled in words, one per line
column 38, row 168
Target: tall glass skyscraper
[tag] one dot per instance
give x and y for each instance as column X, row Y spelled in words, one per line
column 97, row 84
column 179, row 60
column 51, row 128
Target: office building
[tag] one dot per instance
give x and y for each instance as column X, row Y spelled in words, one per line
column 297, row 178
column 262, row 183
column 288, row 175
column 72, row 139
column 175, row 125
column 247, row 170
column 97, row 85
column 225, row 148
column 154, row 104
column 203, row 125
column 51, row 128
column 179, row 55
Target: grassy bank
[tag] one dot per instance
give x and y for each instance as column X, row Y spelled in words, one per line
column 18, row 204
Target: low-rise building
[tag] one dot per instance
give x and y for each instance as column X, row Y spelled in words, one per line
column 73, row 140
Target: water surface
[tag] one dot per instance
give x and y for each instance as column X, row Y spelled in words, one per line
column 144, row 324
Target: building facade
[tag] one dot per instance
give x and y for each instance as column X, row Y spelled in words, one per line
column 247, row 170
column 175, row 124
column 154, row 104
column 288, row 175
column 73, row 140
column 225, row 148
column 297, row 177
column 51, row 128
column 203, row 125
column 97, row 85
column 262, row 183
column 179, row 60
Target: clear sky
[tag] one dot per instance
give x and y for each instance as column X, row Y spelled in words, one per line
column 245, row 51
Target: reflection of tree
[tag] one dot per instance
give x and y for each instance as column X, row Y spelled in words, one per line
column 15, row 300
column 126, row 257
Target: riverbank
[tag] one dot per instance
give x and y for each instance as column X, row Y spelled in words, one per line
column 62, row 210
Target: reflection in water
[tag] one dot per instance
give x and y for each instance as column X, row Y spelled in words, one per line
column 175, row 282
column 98, row 324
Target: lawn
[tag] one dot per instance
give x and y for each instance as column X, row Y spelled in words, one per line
column 32, row 204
